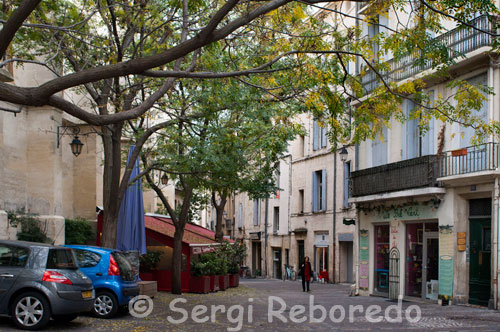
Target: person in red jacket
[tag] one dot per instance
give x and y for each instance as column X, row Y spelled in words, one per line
column 306, row 273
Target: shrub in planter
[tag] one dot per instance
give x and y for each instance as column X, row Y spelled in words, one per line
column 199, row 280
column 149, row 261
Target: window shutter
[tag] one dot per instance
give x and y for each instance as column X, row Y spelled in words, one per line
column 315, row 136
column 315, row 192
column 240, row 217
column 428, row 139
column 256, row 212
column 411, row 133
column 323, row 137
column 347, row 170
column 323, row 190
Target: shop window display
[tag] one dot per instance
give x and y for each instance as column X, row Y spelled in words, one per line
column 382, row 258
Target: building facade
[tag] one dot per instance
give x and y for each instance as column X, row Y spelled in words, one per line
column 427, row 201
column 306, row 217
column 40, row 175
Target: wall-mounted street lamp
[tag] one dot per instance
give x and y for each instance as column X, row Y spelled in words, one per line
column 76, row 144
column 164, row 179
column 343, row 154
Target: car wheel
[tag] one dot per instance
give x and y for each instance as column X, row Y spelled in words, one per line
column 105, row 304
column 65, row 318
column 30, row 311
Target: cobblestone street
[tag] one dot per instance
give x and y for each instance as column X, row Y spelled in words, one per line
column 433, row 318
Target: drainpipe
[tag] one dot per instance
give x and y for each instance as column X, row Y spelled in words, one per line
column 334, row 235
column 357, row 248
column 265, row 235
column 496, row 230
column 289, row 210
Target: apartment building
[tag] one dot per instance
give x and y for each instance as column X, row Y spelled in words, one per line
column 306, row 217
column 427, row 202
column 321, row 217
column 264, row 226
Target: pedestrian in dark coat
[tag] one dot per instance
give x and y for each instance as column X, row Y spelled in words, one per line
column 306, row 273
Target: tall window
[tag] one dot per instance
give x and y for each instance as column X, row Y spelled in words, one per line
column 347, row 174
column 301, row 201
column 301, row 146
column 256, row 212
column 240, row 215
column 466, row 133
column 319, row 136
column 319, row 190
column 278, row 173
column 411, row 141
column 276, row 219
column 379, row 149
column 417, row 143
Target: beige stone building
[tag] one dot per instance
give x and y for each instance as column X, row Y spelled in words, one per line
column 427, row 202
column 307, row 217
column 264, row 226
column 39, row 173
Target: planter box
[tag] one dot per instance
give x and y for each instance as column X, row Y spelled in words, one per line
column 149, row 288
column 234, row 280
column 214, row 283
column 224, row 282
column 199, row 284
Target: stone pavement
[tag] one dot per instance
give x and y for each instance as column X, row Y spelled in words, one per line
column 433, row 317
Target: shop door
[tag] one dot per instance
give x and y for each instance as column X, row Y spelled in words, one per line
column 300, row 247
column 256, row 259
column 480, row 261
column 430, row 266
column 277, row 264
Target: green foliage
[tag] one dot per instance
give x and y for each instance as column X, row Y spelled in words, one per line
column 32, row 229
column 150, row 260
column 78, row 231
column 226, row 258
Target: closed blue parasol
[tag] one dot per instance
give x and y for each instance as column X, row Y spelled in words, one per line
column 131, row 232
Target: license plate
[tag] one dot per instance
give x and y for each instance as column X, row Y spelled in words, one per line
column 86, row 294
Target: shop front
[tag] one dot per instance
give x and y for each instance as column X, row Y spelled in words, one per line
column 399, row 250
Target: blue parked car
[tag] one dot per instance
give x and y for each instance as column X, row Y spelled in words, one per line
column 112, row 276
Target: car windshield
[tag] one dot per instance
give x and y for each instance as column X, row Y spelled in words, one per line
column 61, row 259
column 126, row 270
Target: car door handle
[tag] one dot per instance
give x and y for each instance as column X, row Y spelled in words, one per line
column 99, row 274
column 6, row 275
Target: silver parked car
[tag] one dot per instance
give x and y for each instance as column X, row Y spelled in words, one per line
column 40, row 281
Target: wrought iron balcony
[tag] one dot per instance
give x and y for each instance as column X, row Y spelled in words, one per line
column 407, row 174
column 473, row 159
column 458, row 41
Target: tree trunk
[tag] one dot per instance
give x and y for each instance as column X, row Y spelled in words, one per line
column 219, row 208
column 111, row 183
column 177, row 260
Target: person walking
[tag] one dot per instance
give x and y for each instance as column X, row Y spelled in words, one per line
column 306, row 273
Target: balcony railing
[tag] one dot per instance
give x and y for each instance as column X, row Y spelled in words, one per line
column 469, row 160
column 407, row 174
column 459, row 41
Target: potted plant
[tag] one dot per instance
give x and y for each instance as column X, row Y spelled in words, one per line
column 148, row 263
column 234, row 276
column 210, row 268
column 222, row 273
column 199, row 280
column 237, row 255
